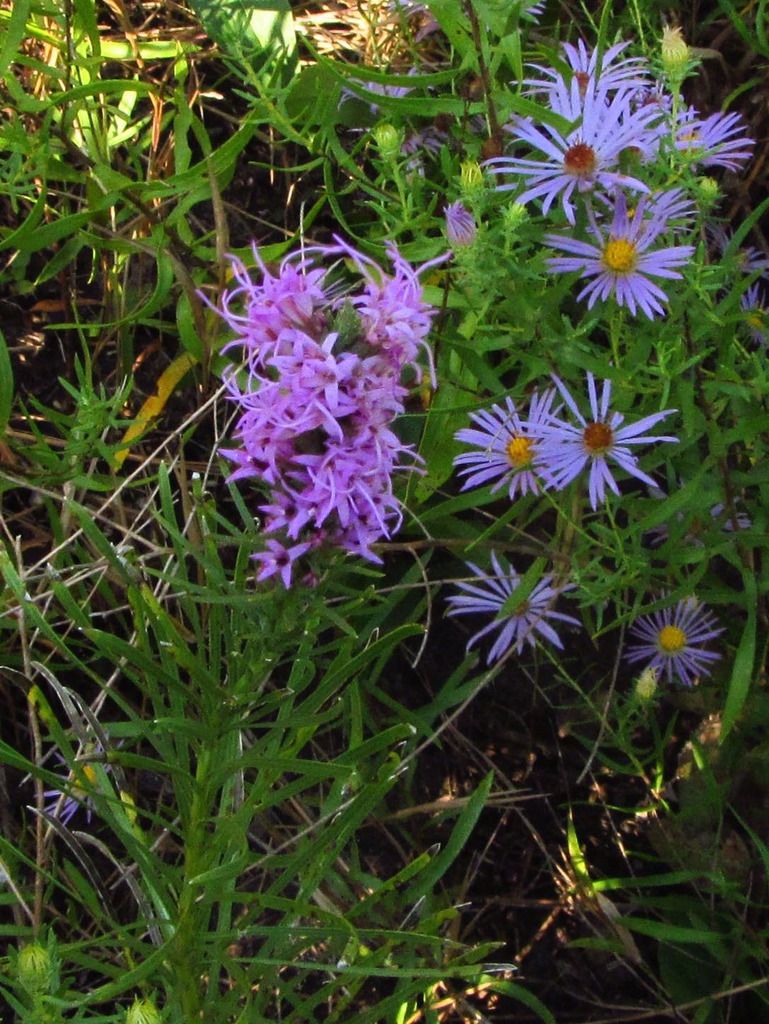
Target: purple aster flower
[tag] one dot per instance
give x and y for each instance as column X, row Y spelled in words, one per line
column 749, row 258
column 672, row 640
column 590, row 66
column 584, row 158
column 654, row 94
column 417, row 144
column 378, row 89
column 566, row 449
column 741, row 521
column 535, row 10
column 411, row 8
column 506, row 446
column 460, row 225
column 753, row 305
column 64, row 803
column 659, row 534
column 623, row 261
column 715, row 141
column 520, row 626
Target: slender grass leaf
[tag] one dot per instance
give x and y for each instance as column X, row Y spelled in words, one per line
column 14, row 32
column 742, row 671
column 6, row 385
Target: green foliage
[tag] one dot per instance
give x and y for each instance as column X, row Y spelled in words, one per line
column 245, row 764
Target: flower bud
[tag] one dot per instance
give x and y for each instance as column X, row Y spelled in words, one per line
column 34, row 968
column 142, row 1011
column 471, row 181
column 514, row 215
column 388, row 140
column 460, row 225
column 674, row 53
column 708, row 192
column 646, row 685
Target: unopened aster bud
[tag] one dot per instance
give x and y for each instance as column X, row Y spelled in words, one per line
column 388, row 140
column 460, row 225
column 34, row 968
column 708, row 192
column 674, row 53
column 471, row 179
column 646, row 684
column 142, row 1011
column 514, row 216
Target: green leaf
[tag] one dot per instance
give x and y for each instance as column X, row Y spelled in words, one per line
column 671, row 933
column 459, row 836
column 13, row 33
column 742, row 671
column 6, row 385
column 521, row 593
column 248, row 28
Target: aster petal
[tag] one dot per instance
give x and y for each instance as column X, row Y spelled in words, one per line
column 519, row 628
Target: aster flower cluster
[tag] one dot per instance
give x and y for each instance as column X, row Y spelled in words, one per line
column 549, row 448
column 544, row 450
column 620, row 117
column 669, row 643
column 317, row 393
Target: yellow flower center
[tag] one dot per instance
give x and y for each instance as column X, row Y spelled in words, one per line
column 756, row 319
column 83, row 775
column 620, row 256
column 671, row 639
column 520, row 451
column 598, row 438
column 580, row 160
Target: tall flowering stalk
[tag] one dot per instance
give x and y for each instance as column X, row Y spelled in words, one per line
column 317, row 390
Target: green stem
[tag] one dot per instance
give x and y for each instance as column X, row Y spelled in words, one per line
column 184, row 956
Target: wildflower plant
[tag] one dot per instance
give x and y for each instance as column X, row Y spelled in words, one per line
column 453, row 472
column 323, row 384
